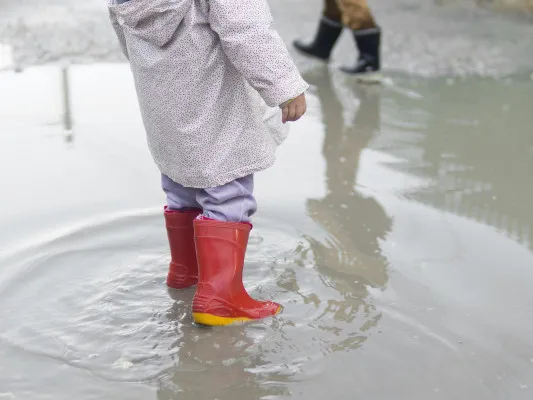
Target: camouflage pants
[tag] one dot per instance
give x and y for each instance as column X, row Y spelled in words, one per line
column 354, row 14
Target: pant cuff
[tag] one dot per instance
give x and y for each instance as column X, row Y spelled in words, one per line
column 368, row 31
column 330, row 22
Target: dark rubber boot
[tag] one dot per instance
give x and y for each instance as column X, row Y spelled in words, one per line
column 326, row 37
column 368, row 64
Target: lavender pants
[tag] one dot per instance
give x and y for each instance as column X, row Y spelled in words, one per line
column 232, row 202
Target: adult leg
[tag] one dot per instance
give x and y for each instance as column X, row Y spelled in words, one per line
column 356, row 15
column 327, row 34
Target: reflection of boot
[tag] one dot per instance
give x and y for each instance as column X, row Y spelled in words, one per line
column 221, row 298
column 183, row 269
column 326, row 37
column 368, row 64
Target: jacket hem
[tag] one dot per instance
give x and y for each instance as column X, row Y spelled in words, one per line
column 211, row 182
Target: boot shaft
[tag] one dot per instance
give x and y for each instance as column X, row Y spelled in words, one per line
column 180, row 231
column 183, row 268
column 368, row 42
column 221, row 249
column 325, row 39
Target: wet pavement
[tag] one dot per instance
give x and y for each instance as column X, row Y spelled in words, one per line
column 422, row 37
column 403, row 255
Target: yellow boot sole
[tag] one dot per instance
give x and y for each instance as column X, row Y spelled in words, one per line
column 213, row 320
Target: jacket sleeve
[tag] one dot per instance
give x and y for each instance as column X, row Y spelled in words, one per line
column 120, row 34
column 255, row 48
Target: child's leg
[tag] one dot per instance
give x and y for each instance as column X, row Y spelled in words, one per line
column 178, row 196
column 180, row 213
column 221, row 242
column 232, row 202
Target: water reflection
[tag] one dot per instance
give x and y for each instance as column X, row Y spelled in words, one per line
column 6, row 57
column 350, row 260
column 215, row 363
column 67, row 109
column 473, row 140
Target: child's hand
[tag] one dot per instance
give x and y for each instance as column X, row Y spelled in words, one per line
column 293, row 110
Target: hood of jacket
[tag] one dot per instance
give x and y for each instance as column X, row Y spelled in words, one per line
column 155, row 21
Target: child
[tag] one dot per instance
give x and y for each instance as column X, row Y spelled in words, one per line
column 203, row 71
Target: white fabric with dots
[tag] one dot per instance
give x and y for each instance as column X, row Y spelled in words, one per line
column 210, row 76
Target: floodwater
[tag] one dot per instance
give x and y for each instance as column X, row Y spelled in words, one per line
column 396, row 228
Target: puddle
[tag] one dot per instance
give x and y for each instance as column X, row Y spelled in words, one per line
column 395, row 228
column 6, row 57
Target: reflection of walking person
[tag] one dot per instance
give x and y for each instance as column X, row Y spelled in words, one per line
column 351, row 256
column 355, row 15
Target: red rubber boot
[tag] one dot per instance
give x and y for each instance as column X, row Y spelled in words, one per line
column 221, row 298
column 183, row 269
